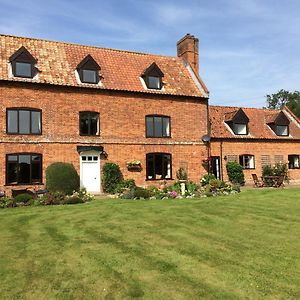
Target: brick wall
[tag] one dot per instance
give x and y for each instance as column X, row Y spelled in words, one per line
column 122, row 126
column 264, row 151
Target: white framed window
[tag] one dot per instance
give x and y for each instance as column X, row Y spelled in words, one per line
column 247, row 161
column 293, row 161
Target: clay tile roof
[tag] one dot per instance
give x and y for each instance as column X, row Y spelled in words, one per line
column 120, row 70
column 229, row 116
column 258, row 120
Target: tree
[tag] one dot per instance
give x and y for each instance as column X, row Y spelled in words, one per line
column 282, row 98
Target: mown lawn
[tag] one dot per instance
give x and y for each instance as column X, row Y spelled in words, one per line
column 245, row 246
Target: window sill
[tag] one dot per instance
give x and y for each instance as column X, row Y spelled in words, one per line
column 96, row 135
column 37, row 134
column 158, row 137
column 23, row 184
column 147, row 179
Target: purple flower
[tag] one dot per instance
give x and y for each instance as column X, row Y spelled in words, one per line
column 173, row 194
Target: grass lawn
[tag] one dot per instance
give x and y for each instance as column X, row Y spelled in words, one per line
column 244, row 246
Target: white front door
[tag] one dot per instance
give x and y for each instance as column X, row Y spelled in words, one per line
column 90, row 171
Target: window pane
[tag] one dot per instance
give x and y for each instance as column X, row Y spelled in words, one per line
column 12, row 172
column 12, row 158
column 23, row 69
column 149, row 126
column 24, row 169
column 282, row 130
column 239, row 128
column 84, row 124
column 24, row 121
column 153, row 82
column 35, row 122
column 94, row 118
column 296, row 161
column 158, row 166
column 167, row 167
column 166, row 127
column 35, row 158
column 36, row 172
column 150, row 169
column 12, row 121
column 89, row 76
column 157, row 126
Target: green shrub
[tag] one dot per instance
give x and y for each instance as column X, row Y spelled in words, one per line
column 54, row 198
column 73, row 199
column 7, row 202
column 137, row 193
column 280, row 169
column 62, row 177
column 191, row 188
column 267, row 171
column 206, row 178
column 112, row 176
column 25, row 198
column 125, row 184
column 235, row 173
column 174, row 187
column 140, row 192
column 216, row 184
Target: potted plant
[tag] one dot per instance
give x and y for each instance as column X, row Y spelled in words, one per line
column 134, row 165
column 182, row 177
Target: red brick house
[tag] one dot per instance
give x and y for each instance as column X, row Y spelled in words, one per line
column 254, row 138
column 88, row 105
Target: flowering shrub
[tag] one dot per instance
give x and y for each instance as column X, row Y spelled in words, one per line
column 173, row 194
column 206, row 178
column 55, row 198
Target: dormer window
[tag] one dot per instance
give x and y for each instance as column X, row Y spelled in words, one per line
column 238, row 122
column 88, row 70
column 279, row 123
column 22, row 63
column 282, row 130
column 153, row 77
column 239, row 129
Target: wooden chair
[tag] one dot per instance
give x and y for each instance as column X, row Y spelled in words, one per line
column 257, row 182
column 279, row 182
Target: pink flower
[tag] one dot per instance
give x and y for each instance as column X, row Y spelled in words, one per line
column 173, row 194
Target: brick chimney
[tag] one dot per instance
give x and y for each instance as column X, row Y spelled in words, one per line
column 187, row 48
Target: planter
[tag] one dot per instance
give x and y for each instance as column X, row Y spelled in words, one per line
column 134, row 168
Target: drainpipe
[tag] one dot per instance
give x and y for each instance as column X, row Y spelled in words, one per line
column 221, row 160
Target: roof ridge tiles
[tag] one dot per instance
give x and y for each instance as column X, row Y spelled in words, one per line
column 88, row 46
column 245, row 107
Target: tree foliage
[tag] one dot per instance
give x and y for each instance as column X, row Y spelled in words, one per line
column 285, row 98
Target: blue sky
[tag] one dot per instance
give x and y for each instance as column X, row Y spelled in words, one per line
column 248, row 48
